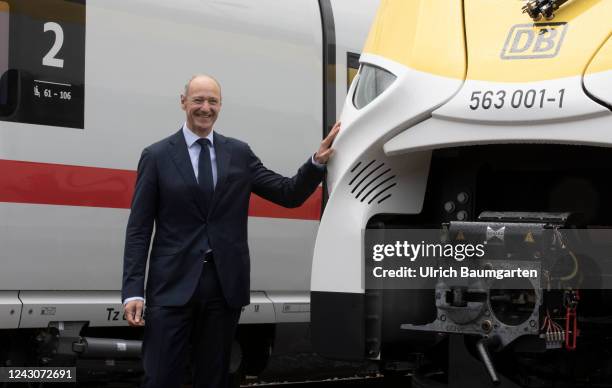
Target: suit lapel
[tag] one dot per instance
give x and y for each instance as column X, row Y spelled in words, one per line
column 224, row 156
column 180, row 157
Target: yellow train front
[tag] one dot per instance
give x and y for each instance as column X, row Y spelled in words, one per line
column 484, row 116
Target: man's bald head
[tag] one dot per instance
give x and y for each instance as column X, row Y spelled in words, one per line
column 201, row 103
column 201, row 77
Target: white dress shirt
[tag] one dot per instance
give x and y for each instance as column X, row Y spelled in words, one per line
column 194, row 151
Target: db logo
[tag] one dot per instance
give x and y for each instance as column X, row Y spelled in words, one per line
column 538, row 40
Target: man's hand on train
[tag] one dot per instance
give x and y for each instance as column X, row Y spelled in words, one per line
column 325, row 150
column 133, row 313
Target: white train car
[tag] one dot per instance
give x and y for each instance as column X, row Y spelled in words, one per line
column 87, row 84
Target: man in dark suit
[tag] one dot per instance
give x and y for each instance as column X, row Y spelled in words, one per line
column 194, row 186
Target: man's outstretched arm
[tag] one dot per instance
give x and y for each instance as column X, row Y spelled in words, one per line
column 292, row 192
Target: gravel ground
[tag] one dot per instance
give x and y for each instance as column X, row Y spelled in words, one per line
column 309, row 366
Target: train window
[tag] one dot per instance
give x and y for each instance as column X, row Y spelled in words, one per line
column 352, row 67
column 4, row 53
column 371, row 83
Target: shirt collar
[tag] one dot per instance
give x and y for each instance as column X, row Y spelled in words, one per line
column 191, row 138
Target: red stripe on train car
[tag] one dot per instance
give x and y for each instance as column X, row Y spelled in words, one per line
column 310, row 210
column 58, row 184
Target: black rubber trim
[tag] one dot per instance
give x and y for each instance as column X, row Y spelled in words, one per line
column 338, row 325
column 329, row 75
column 352, row 60
column 593, row 97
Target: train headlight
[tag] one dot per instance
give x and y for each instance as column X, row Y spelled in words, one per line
column 371, row 83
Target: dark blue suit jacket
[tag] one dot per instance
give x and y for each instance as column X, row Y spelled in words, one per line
column 167, row 196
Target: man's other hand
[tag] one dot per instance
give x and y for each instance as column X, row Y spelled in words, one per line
column 325, row 151
column 133, row 313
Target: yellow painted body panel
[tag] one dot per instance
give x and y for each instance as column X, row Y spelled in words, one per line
column 425, row 35
column 350, row 74
column 503, row 43
column 602, row 60
column 490, row 22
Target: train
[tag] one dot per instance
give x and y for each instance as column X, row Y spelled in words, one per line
column 86, row 85
column 485, row 122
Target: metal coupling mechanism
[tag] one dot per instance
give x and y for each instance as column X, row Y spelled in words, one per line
column 537, row 9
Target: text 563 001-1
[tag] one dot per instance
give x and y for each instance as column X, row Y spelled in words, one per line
column 515, row 99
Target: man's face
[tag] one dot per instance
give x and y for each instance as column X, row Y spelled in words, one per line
column 202, row 105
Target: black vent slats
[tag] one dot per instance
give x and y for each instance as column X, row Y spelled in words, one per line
column 375, row 181
column 360, row 172
column 382, row 191
column 372, row 181
column 366, row 177
column 355, row 168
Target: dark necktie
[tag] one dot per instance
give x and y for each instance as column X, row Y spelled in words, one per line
column 205, row 178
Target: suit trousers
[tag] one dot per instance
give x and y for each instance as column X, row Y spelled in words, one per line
column 206, row 324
